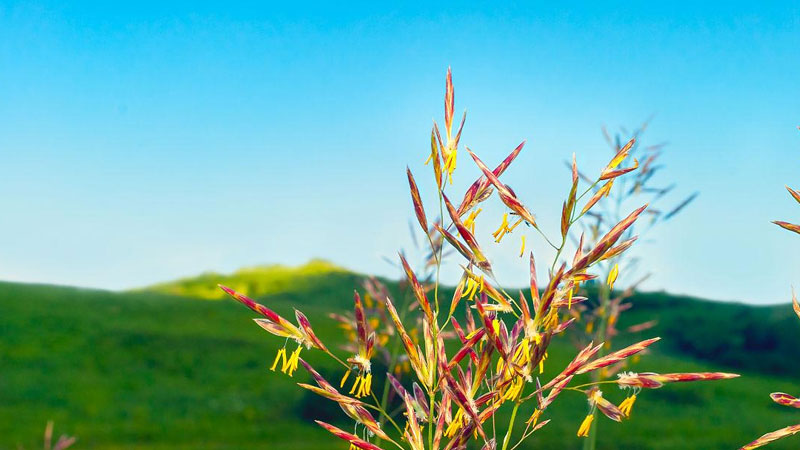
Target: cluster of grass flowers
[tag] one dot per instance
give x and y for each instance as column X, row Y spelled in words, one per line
column 466, row 357
column 598, row 316
column 780, row 397
column 62, row 443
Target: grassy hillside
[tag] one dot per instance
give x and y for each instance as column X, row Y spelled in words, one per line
column 156, row 371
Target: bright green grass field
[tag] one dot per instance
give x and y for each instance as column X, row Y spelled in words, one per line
column 150, row 370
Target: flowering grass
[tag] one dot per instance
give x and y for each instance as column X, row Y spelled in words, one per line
column 781, row 398
column 598, row 316
column 449, row 379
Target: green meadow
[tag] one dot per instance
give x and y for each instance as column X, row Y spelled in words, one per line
column 176, row 366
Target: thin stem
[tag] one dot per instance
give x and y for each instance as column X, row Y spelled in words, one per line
column 383, row 413
column 510, row 426
column 545, row 237
column 591, row 440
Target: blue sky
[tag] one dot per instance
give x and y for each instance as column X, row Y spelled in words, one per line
column 145, row 142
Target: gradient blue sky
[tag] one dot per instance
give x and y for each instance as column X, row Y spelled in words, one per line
column 148, row 141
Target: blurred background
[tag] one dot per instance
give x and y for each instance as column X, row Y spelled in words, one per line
column 151, row 150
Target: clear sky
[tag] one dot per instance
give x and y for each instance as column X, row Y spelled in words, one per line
column 148, row 141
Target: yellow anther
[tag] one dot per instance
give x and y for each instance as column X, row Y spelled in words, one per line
column 612, row 276
column 450, row 164
column 471, row 290
column 470, row 221
column 534, row 417
column 281, row 355
column 367, row 385
column 344, row 379
column 586, row 425
column 522, row 249
column 355, row 386
column 511, row 228
column 502, row 229
column 290, row 364
column 627, row 404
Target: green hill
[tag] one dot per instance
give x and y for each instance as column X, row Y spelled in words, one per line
column 157, row 371
column 256, row 281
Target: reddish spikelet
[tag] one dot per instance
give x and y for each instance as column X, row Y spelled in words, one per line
column 526, row 312
column 366, row 340
column 467, row 348
column 351, row 438
column 277, row 325
column 463, row 338
column 465, row 252
column 787, row 226
column 534, row 287
column 419, row 291
column 574, row 171
column 701, row 376
column 619, row 249
column 463, row 400
column 565, row 219
column 610, row 175
column 322, row 382
column 437, row 163
column 398, row 387
column 259, row 308
column 411, row 349
column 416, row 200
column 603, row 191
column 479, row 258
column 617, row 356
column 565, row 302
column 557, row 388
column 563, row 326
column 617, row 159
column 457, row 293
column 785, row 399
column 444, row 411
column 302, row 320
column 413, row 434
column 449, row 102
column 795, row 194
column 335, row 396
column 607, row 241
column 773, row 436
column 419, row 399
column 795, row 304
column 506, row 195
column 580, row 359
column 608, row 409
column 481, row 188
column 549, row 293
column 352, row 407
column 649, row 380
